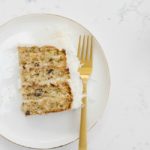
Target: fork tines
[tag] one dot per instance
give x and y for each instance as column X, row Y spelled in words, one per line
column 85, row 48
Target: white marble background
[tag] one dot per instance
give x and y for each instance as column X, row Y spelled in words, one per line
column 123, row 29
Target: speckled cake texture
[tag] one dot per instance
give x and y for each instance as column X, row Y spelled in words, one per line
column 44, row 80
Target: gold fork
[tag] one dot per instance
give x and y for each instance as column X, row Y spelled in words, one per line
column 85, row 55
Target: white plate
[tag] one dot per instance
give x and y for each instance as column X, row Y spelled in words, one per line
column 52, row 130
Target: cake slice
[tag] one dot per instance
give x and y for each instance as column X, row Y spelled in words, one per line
column 44, row 78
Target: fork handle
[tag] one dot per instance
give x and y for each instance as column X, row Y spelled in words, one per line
column 83, row 121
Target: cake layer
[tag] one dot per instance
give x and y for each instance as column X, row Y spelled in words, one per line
column 44, row 75
column 50, row 57
column 45, row 105
column 36, row 92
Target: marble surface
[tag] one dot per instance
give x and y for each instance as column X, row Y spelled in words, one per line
column 123, row 29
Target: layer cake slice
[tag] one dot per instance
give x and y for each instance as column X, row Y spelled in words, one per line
column 44, row 78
